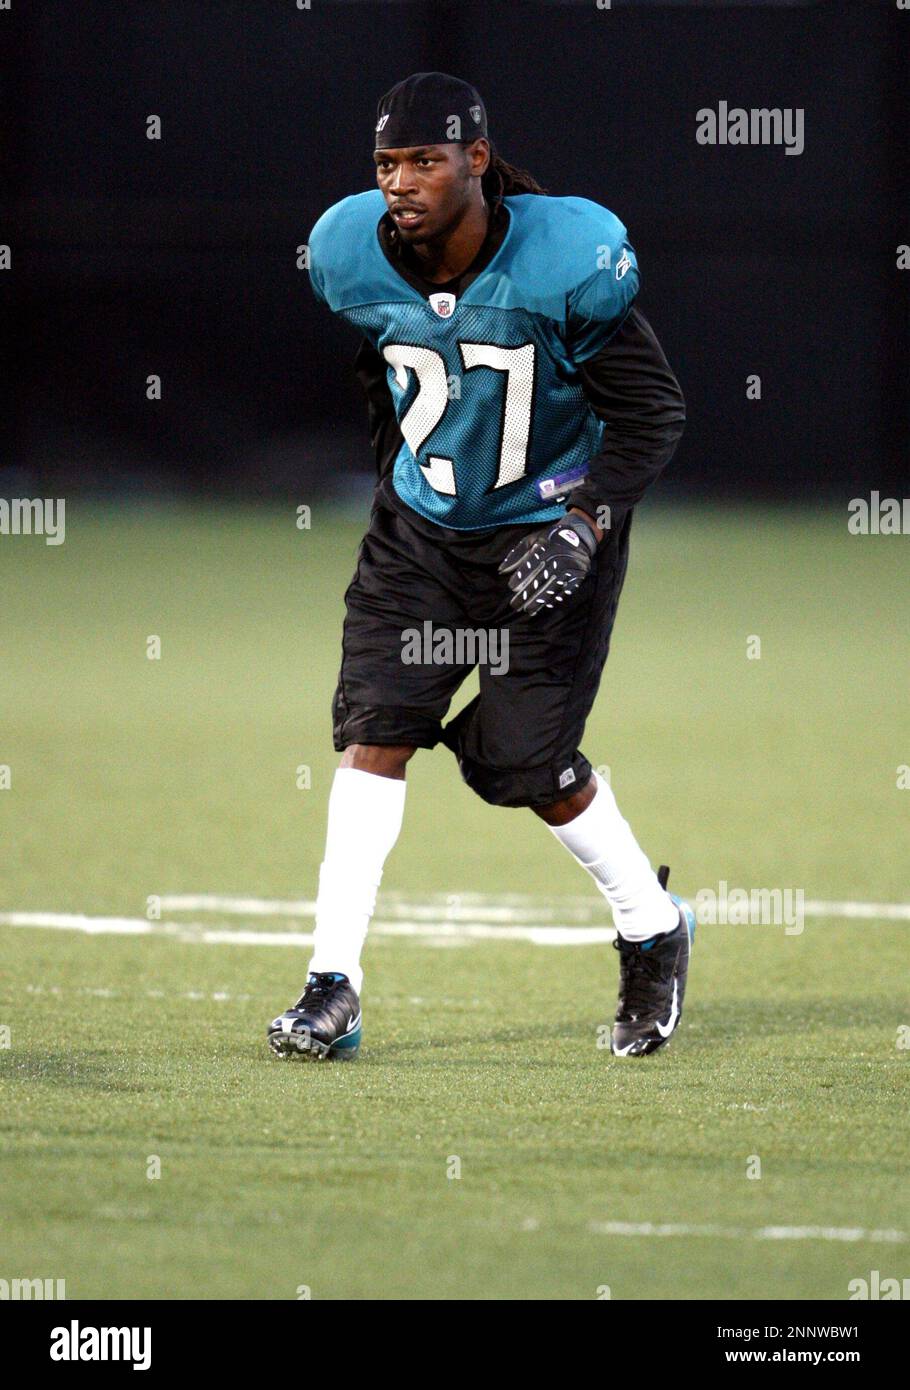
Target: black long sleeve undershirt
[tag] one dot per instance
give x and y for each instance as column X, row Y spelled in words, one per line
column 385, row 433
column 629, row 386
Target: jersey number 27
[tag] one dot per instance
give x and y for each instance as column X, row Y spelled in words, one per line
column 432, row 400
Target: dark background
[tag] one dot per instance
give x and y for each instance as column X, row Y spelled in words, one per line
column 178, row 257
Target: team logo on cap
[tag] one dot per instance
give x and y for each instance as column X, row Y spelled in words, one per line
column 380, row 124
column 443, row 304
column 474, row 113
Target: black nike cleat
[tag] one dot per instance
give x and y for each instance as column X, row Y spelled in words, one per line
column 325, row 1021
column 652, row 984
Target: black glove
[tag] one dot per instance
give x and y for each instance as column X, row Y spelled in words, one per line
column 547, row 566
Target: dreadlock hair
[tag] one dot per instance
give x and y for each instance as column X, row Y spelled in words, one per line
column 502, row 178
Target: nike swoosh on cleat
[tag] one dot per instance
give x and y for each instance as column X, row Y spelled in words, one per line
column 624, row 1051
column 665, row 1029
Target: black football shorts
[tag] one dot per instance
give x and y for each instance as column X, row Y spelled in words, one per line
column 517, row 741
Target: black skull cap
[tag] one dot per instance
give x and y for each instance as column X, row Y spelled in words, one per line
column 429, row 108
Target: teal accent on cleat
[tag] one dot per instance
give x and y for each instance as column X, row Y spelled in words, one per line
column 653, row 977
column 688, row 915
column 346, row 1048
column 325, row 1022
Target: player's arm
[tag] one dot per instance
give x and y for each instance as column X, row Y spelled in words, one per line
column 385, row 434
column 627, row 380
column 630, row 386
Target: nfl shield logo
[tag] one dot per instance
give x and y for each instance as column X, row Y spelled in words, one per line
column 443, row 304
column 474, row 113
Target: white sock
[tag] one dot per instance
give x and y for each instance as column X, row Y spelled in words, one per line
column 603, row 844
column 365, row 815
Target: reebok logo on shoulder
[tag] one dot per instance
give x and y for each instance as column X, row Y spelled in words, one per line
column 622, row 265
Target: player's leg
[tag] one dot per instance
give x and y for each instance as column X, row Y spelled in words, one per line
column 383, row 710
column 590, row 825
column 654, row 929
column 517, row 745
column 366, row 808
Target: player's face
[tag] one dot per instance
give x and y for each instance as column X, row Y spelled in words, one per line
column 428, row 188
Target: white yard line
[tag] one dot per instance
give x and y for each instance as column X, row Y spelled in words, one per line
column 219, row 996
column 483, row 931
column 236, row 906
column 508, row 908
column 77, row 921
column 439, row 933
column 440, row 919
column 195, row 932
column 489, row 907
column 847, row 1234
column 880, row 912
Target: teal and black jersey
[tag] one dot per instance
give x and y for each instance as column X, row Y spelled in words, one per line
column 486, row 387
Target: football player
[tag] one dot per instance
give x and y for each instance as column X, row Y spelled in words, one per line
column 519, row 406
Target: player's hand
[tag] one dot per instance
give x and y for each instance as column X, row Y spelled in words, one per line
column 546, row 567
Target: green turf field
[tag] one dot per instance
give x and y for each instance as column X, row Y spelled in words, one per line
column 133, row 778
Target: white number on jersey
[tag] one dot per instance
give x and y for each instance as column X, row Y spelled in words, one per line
column 429, row 405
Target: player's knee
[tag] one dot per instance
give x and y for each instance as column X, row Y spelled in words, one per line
column 561, row 812
column 385, row 760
